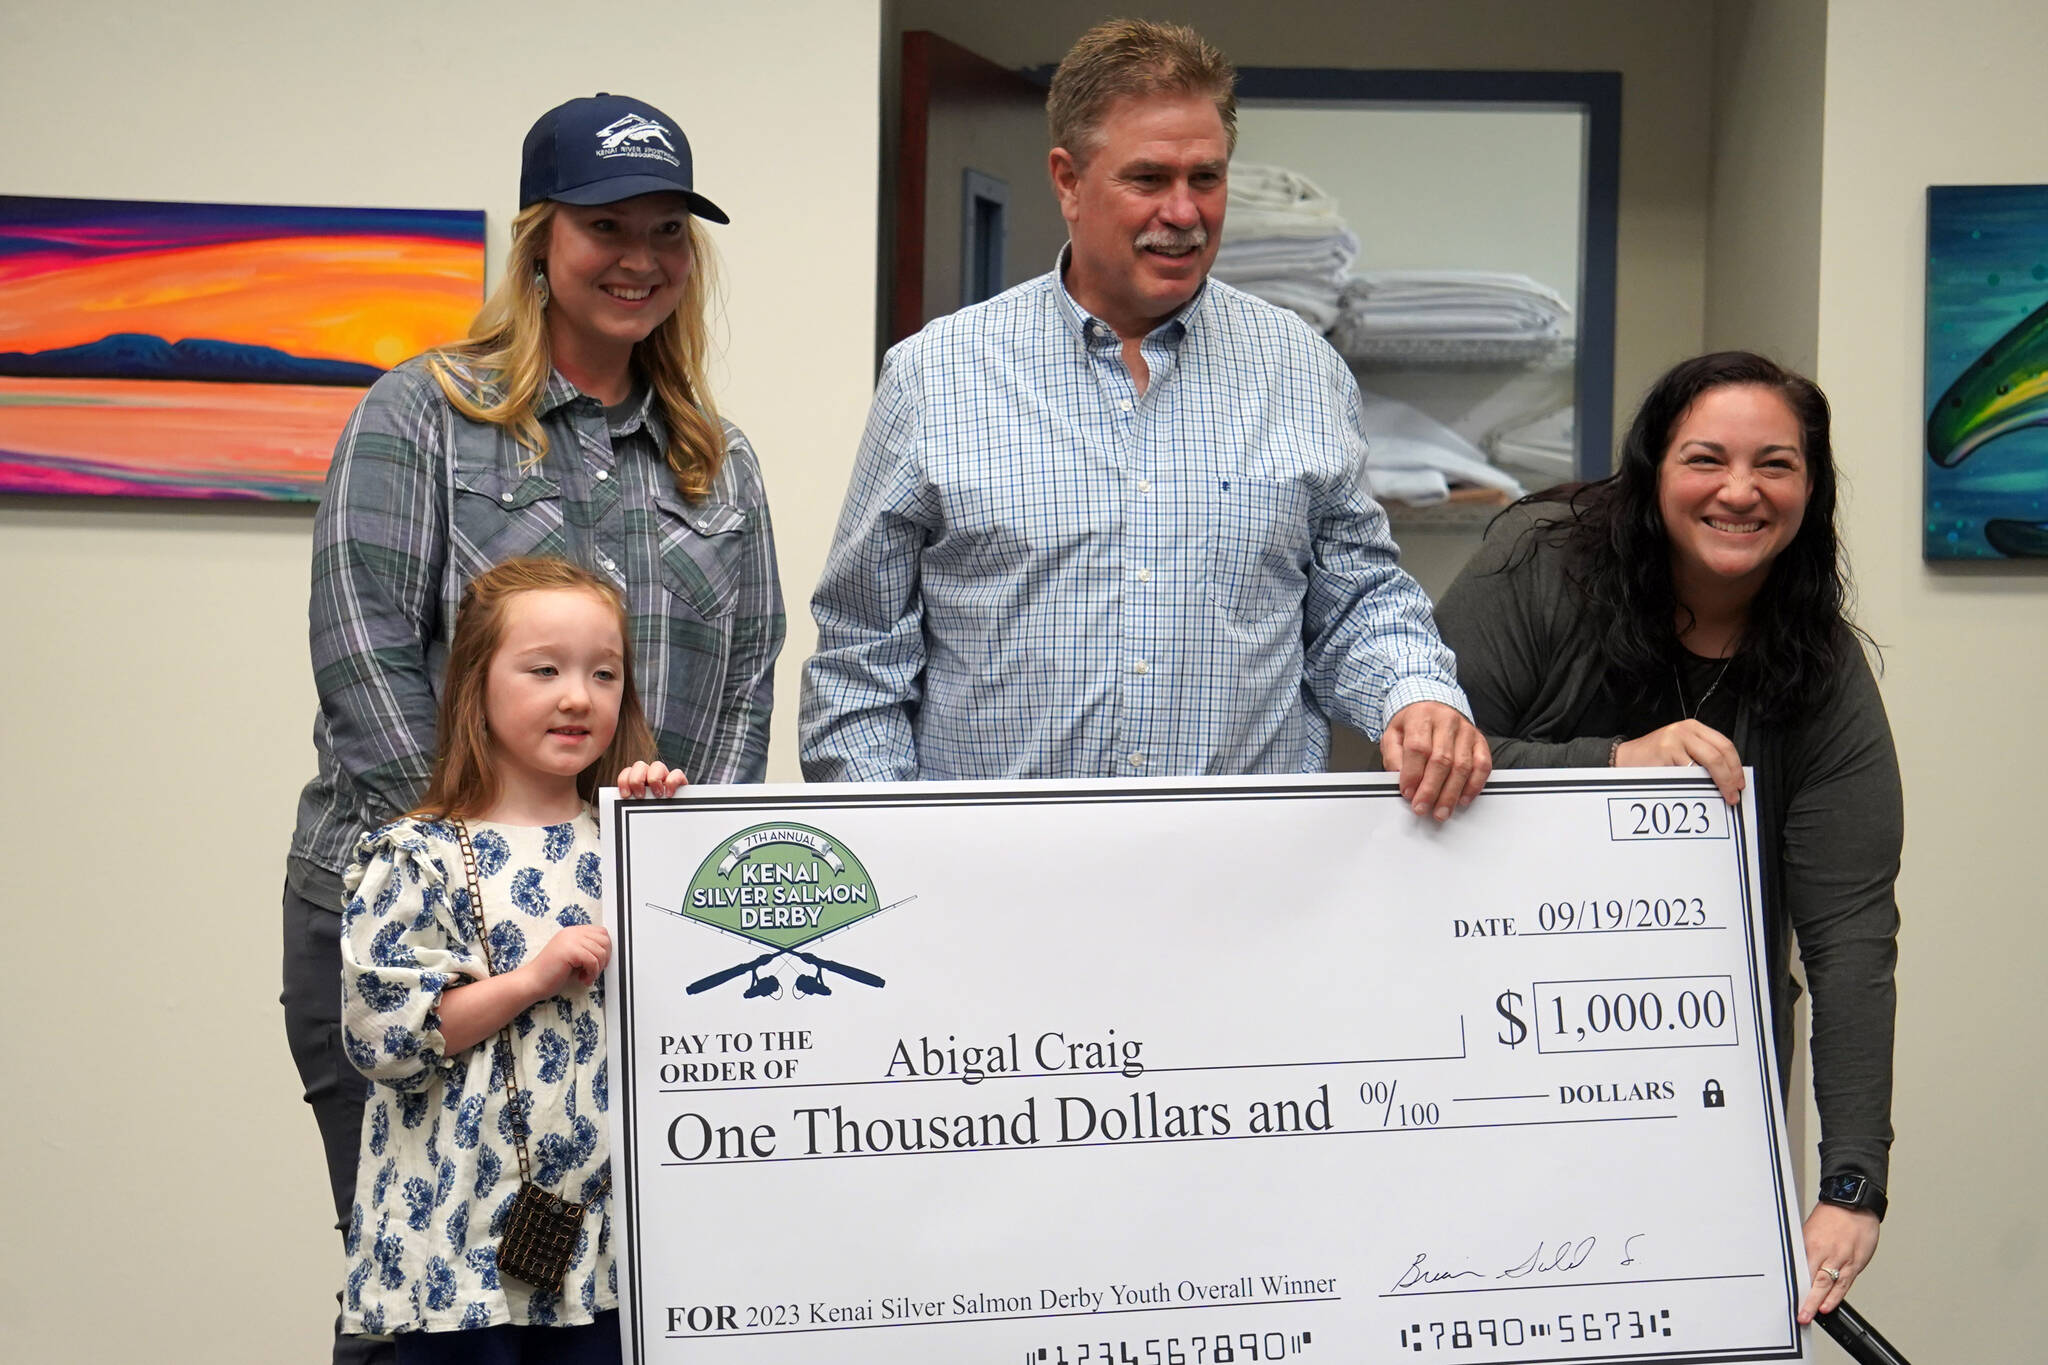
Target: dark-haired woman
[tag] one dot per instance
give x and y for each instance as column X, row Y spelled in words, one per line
column 1689, row 609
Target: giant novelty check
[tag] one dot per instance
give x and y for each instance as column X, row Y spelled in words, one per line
column 1196, row 1074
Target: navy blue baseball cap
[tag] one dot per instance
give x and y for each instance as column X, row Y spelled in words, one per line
column 606, row 148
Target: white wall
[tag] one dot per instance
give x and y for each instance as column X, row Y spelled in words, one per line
column 166, row 1197
column 1763, row 226
column 1918, row 96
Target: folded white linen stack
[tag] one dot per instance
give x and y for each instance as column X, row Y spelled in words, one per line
column 1544, row 446
column 1284, row 241
column 1472, row 314
column 1413, row 458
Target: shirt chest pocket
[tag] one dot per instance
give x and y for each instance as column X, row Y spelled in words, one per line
column 1259, row 548
column 495, row 514
column 702, row 548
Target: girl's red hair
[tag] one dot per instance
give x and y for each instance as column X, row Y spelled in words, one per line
column 463, row 783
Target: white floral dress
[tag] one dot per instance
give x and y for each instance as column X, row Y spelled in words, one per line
column 438, row 1169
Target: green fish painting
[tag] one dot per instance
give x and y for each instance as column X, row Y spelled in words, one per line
column 1987, row 358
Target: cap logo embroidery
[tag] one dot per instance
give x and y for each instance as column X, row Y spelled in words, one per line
column 635, row 136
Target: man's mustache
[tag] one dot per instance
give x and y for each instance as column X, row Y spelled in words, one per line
column 1173, row 239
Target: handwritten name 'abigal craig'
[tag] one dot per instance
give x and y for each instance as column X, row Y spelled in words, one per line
column 1053, row 1052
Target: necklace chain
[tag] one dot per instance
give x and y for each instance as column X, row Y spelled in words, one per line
column 1679, row 679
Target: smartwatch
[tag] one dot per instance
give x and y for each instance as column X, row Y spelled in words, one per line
column 1854, row 1192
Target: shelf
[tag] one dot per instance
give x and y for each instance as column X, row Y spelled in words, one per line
column 1459, row 353
column 1466, row 510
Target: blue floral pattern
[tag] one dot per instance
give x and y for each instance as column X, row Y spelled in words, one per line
column 488, row 1167
column 388, row 948
column 469, row 1120
column 389, row 1255
column 555, row 1156
column 508, row 947
column 483, row 1263
column 352, row 1291
column 440, row 1284
column 553, row 1050
column 360, row 1053
column 381, row 995
column 491, row 852
column 386, row 898
column 400, row 1041
column 431, row 898
column 527, row 893
column 439, row 1169
column 419, row 1202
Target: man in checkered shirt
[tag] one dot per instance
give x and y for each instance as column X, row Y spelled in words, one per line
column 1112, row 522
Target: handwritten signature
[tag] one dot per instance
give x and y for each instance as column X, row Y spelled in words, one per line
column 1547, row 1259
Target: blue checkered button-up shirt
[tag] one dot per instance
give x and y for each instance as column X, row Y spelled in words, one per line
column 1040, row 572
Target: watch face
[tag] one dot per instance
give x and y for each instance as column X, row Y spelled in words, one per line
column 1842, row 1189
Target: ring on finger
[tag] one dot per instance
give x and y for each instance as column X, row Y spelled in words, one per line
column 1832, row 1273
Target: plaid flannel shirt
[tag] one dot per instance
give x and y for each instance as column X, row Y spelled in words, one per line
column 419, row 500
column 1041, row 572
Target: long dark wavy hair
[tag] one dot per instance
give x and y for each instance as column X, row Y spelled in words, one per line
column 1797, row 635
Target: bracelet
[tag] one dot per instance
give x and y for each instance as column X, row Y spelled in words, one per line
column 1613, row 752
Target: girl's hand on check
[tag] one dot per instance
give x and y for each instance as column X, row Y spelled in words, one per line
column 650, row 779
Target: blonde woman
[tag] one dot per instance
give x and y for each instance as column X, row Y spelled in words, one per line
column 574, row 421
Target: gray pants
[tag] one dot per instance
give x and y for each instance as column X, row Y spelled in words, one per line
column 312, row 1022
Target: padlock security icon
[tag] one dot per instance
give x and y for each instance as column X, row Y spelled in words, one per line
column 1712, row 1098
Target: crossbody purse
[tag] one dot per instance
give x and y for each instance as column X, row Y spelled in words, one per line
column 541, row 1229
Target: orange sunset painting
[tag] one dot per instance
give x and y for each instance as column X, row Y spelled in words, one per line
column 210, row 350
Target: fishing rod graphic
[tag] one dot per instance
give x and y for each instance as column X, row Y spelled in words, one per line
column 760, row 986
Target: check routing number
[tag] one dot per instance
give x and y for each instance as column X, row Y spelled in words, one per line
column 1196, row 1074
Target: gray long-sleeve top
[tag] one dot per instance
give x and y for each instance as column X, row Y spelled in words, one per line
column 1830, row 811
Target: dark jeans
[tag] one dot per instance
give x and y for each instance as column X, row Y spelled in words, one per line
column 312, row 1023
column 594, row 1343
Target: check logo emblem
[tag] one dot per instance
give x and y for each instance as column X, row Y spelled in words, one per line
column 781, row 886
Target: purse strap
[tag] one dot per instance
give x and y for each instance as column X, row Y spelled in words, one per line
column 512, row 1091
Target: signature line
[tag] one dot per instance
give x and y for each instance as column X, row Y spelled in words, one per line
column 1576, row 1284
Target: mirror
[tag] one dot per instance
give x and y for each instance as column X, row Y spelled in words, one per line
column 1481, row 211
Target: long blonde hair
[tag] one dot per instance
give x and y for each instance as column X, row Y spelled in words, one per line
column 463, row 782
column 499, row 373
